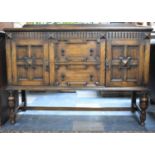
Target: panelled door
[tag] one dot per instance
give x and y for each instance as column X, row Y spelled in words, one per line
column 30, row 62
column 124, row 63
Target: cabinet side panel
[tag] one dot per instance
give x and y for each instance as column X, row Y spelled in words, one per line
column 14, row 65
column 146, row 62
column 9, row 61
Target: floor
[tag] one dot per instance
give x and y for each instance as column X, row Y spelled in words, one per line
column 67, row 121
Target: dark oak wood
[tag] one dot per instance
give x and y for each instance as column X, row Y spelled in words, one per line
column 11, row 102
column 54, row 88
column 85, row 27
column 143, row 106
column 76, row 108
column 79, row 57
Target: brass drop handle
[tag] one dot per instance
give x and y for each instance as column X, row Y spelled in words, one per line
column 91, row 77
column 62, row 52
column 82, row 83
column 91, row 52
column 69, row 66
column 62, row 77
column 76, row 59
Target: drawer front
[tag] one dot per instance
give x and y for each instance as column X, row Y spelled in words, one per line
column 76, row 50
column 77, row 75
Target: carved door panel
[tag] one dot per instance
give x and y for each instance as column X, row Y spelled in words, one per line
column 124, row 63
column 30, row 62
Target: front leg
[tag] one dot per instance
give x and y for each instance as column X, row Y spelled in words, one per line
column 24, row 101
column 11, row 103
column 133, row 102
column 143, row 106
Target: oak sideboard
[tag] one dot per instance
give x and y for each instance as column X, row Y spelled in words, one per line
column 106, row 58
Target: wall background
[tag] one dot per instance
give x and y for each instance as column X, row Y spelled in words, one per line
column 6, row 25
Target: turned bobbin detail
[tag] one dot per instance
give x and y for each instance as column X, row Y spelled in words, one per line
column 143, row 106
column 23, row 97
column 11, row 102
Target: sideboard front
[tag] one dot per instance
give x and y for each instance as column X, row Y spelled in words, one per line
column 78, row 58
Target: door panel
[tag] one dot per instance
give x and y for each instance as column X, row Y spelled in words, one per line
column 30, row 62
column 124, row 67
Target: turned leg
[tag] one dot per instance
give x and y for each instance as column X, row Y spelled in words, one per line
column 23, row 97
column 11, row 102
column 133, row 102
column 143, row 106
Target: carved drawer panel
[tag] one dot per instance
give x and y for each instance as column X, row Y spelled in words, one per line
column 76, row 50
column 76, row 75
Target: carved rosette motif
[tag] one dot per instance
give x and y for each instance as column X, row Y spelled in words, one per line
column 9, row 35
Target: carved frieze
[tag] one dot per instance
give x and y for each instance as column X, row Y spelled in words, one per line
column 125, row 35
column 85, row 35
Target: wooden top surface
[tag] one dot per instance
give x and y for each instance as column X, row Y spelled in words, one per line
column 99, row 88
column 58, row 27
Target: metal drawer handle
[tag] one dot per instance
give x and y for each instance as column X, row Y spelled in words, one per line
column 91, row 77
column 62, row 52
column 82, row 59
column 76, row 83
column 91, row 52
column 62, row 77
column 70, row 66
